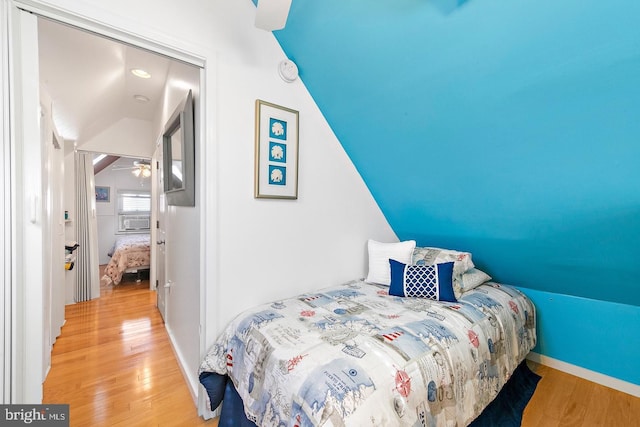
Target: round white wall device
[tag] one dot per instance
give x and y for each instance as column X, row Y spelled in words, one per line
column 288, row 70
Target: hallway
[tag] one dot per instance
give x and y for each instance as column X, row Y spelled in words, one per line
column 115, row 366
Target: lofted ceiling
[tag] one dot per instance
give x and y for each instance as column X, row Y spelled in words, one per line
column 89, row 80
column 508, row 129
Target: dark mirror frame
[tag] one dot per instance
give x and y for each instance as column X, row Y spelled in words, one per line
column 180, row 121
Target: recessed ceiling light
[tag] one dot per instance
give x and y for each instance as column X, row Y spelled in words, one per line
column 140, row 98
column 139, row 72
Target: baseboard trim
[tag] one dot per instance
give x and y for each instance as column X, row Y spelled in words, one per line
column 587, row 374
column 192, row 382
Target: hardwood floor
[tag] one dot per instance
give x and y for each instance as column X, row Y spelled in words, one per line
column 115, row 366
column 565, row 400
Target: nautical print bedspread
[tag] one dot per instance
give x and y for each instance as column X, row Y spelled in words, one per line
column 128, row 252
column 354, row 355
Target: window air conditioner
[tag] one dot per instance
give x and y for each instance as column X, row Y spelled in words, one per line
column 133, row 222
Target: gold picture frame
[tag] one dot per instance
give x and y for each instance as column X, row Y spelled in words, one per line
column 276, row 152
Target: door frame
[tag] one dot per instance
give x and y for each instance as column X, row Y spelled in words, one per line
column 5, row 204
column 26, row 339
column 114, row 27
column 158, row 232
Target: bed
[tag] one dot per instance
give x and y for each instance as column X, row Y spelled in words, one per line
column 130, row 253
column 357, row 355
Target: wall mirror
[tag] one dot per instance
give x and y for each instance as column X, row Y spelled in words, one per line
column 178, row 150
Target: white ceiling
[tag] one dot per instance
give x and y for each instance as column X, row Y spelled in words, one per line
column 89, row 80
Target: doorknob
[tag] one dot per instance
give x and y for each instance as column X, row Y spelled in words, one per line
column 160, row 242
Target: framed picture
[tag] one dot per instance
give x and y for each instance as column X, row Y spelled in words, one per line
column 276, row 156
column 102, row 194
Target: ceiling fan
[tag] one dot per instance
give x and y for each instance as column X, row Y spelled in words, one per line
column 140, row 168
column 272, row 14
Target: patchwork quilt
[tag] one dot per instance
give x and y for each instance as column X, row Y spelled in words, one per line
column 129, row 251
column 354, row 355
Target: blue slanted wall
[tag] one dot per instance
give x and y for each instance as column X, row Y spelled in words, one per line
column 510, row 129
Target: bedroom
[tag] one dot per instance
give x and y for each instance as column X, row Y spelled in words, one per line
column 124, row 220
column 243, row 62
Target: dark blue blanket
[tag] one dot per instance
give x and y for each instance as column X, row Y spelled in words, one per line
column 507, row 408
column 505, row 411
column 219, row 387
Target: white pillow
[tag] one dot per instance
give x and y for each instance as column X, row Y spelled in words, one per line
column 379, row 255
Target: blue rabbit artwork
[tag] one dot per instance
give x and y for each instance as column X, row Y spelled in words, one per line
column 277, row 152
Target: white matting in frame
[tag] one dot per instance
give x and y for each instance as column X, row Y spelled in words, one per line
column 276, row 157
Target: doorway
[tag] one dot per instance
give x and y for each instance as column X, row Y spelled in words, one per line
column 123, row 216
column 107, row 97
column 100, row 132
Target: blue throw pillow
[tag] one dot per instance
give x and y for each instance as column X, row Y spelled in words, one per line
column 422, row 281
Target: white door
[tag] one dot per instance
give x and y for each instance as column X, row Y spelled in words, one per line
column 161, row 285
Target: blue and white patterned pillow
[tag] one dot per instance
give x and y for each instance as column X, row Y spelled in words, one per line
column 422, row 281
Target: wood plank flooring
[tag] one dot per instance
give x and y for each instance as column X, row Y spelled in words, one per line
column 564, row 400
column 115, row 366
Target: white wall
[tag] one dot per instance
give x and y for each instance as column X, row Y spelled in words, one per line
column 183, row 230
column 271, row 249
column 106, row 213
column 251, row 250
